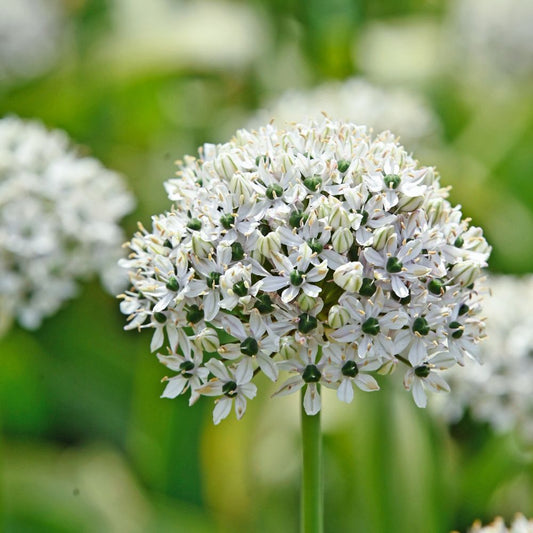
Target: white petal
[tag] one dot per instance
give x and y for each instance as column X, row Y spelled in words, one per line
column 244, row 371
column 221, row 410
column 291, row 385
column 274, row 283
column 345, row 391
column 374, row 257
column 418, row 352
column 399, row 288
column 173, row 336
column 174, row 387
column 240, row 406
column 311, row 290
column 157, row 339
column 268, row 367
column 218, row 369
column 419, row 394
column 366, row 382
column 437, row 383
column 312, row 400
column 248, row 389
column 211, row 305
column 289, row 294
column 163, row 303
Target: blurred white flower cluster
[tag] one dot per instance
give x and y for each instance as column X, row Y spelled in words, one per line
column 30, row 35
column 359, row 101
column 58, row 221
column 500, row 391
column 520, row 525
column 208, row 34
column 494, row 35
column 317, row 250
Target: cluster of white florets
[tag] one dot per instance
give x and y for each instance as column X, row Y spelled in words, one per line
column 500, row 391
column 495, row 36
column 319, row 251
column 520, row 524
column 31, row 32
column 58, row 221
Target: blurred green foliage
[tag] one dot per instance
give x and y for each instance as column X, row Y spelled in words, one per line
column 88, row 445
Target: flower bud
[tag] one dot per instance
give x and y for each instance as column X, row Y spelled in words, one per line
column 349, row 276
column 207, row 340
column 381, row 236
column 200, row 247
column 338, row 316
column 288, row 348
column 341, row 240
column 409, row 203
column 388, row 367
column 339, row 217
column 241, row 188
column 306, row 302
column 465, row 272
column 435, row 210
column 225, row 166
column 269, row 244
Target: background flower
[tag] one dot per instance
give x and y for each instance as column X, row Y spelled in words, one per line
column 404, row 112
column 500, row 389
column 59, row 216
column 31, row 33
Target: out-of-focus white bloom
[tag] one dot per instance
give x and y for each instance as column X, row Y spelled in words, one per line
column 356, row 100
column 405, row 50
column 30, row 35
column 318, row 250
column 172, row 34
column 500, row 390
column 493, row 37
column 520, row 525
column 58, row 221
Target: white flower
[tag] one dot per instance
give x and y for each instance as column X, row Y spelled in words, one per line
column 419, row 378
column 346, row 369
column 59, row 218
column 191, row 375
column 497, row 385
column 318, row 250
column 493, row 38
column 356, row 99
column 31, row 32
column 229, row 386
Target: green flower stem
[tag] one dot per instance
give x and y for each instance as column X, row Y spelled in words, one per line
column 312, row 503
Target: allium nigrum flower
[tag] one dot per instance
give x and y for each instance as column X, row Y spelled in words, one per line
column 317, row 250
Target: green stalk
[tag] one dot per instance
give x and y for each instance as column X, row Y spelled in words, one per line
column 312, row 503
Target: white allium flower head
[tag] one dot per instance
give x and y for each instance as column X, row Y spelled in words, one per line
column 59, row 216
column 30, row 33
column 500, row 390
column 404, row 112
column 520, row 524
column 316, row 251
column 494, row 36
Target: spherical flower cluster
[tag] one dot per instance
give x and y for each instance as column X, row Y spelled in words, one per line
column 520, row 525
column 500, row 391
column 494, row 36
column 356, row 100
column 58, row 221
column 30, row 33
column 318, row 251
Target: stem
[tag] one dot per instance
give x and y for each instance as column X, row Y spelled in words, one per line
column 312, row 504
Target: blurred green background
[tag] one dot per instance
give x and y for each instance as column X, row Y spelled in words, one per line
column 86, row 443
